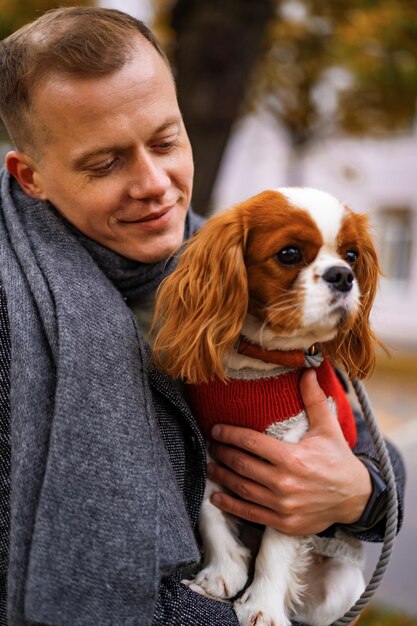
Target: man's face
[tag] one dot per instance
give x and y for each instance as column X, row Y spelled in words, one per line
column 117, row 163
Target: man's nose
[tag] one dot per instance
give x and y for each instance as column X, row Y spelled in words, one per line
column 149, row 178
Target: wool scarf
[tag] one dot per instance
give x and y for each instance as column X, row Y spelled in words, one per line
column 96, row 515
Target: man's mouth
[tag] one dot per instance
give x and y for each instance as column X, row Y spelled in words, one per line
column 151, row 217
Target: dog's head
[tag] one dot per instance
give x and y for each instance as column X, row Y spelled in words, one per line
column 296, row 261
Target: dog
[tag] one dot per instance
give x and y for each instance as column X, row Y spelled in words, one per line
column 280, row 282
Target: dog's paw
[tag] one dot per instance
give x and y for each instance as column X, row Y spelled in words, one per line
column 197, row 589
column 221, row 580
column 210, row 584
column 259, row 610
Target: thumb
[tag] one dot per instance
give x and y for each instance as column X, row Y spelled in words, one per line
column 319, row 413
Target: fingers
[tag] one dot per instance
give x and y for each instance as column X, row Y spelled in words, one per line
column 291, row 524
column 244, row 465
column 257, row 481
column 311, row 392
column 245, row 510
column 320, row 416
column 243, row 488
column 252, row 441
column 286, row 504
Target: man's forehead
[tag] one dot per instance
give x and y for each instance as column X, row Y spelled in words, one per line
column 142, row 67
column 72, row 104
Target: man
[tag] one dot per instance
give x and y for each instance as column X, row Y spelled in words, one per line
column 107, row 464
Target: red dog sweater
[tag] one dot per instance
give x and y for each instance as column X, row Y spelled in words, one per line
column 259, row 403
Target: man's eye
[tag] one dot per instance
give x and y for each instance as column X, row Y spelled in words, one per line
column 352, row 256
column 165, row 146
column 104, row 169
column 289, row 256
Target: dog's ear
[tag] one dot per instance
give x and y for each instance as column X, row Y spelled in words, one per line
column 201, row 306
column 355, row 346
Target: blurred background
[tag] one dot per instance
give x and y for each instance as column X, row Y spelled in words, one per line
column 321, row 94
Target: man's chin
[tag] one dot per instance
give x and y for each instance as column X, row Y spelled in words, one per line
column 154, row 254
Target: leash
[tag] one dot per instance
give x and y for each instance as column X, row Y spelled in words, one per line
column 387, row 473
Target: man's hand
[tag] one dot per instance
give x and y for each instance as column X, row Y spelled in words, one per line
column 297, row 488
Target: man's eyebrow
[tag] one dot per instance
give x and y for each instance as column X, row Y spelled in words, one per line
column 82, row 160
column 176, row 121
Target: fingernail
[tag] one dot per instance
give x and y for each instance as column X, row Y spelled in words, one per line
column 215, row 431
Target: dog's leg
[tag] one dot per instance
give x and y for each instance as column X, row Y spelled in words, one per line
column 332, row 588
column 225, row 565
column 276, row 587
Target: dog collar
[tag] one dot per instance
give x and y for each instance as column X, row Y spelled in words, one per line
column 312, row 357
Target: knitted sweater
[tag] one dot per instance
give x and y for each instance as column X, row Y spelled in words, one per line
column 261, row 402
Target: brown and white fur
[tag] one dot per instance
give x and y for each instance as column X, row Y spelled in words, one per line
column 287, row 268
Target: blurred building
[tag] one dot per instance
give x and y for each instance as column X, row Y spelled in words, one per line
column 378, row 177
column 141, row 9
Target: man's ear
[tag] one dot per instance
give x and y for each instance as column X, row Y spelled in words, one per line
column 21, row 166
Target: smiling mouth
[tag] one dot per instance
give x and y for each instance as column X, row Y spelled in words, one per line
column 151, row 217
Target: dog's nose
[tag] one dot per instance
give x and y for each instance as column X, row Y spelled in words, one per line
column 339, row 277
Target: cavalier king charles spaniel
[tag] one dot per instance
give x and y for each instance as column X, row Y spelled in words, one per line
column 278, row 283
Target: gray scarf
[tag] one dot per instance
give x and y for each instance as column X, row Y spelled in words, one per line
column 96, row 514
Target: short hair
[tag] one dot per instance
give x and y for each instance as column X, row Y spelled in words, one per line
column 72, row 41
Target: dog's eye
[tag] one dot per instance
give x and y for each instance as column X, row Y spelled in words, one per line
column 289, row 256
column 351, row 256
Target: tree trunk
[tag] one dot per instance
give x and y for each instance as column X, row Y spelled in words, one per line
column 217, row 43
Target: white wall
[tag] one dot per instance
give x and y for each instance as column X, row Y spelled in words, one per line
column 141, row 9
column 386, row 176
column 256, row 158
